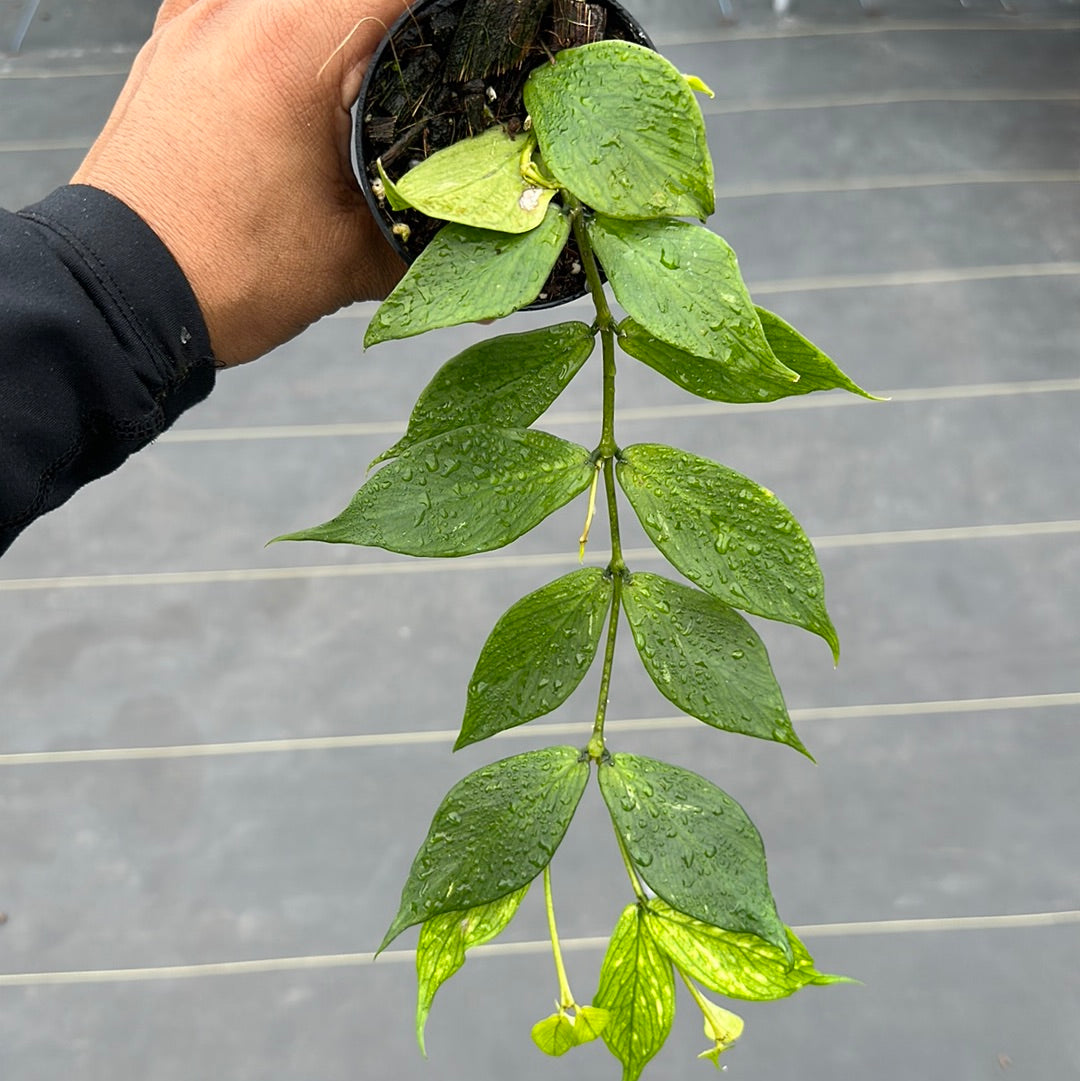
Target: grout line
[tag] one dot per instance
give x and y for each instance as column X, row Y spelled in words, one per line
column 826, row 185
column 870, row 26
column 926, row 276
column 322, row 962
column 715, row 108
column 930, row 276
column 31, row 146
column 872, row 711
column 910, row 97
column 663, row 41
column 956, row 392
column 112, row 71
column 996, row 531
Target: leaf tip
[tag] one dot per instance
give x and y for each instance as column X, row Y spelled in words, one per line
column 297, row 536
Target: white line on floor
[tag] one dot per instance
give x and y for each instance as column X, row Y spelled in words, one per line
column 511, row 949
column 957, row 392
column 940, row 707
column 1000, row 531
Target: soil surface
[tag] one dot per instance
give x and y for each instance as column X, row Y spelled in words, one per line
column 415, row 102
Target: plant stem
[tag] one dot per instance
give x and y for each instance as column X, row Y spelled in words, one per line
column 634, row 880
column 606, row 451
column 596, row 742
column 566, row 998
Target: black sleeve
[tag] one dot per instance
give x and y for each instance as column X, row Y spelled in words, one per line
column 102, row 347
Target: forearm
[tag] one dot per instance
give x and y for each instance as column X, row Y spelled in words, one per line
column 102, row 346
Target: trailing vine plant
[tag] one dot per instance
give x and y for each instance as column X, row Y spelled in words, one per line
column 614, row 152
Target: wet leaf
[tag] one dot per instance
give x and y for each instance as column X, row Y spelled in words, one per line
column 621, row 129
column 682, row 284
column 706, row 658
column 537, row 654
column 742, row 377
column 468, row 490
column 692, row 844
column 466, row 274
column 729, row 536
column 493, row 833
column 737, row 965
column 637, row 988
column 816, row 370
column 562, row 1031
column 444, row 941
column 478, row 181
column 506, row 382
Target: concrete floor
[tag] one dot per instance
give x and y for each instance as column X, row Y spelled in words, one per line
column 905, row 189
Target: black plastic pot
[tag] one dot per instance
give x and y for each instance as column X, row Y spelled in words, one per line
column 414, row 50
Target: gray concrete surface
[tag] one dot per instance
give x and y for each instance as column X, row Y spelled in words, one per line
column 904, row 188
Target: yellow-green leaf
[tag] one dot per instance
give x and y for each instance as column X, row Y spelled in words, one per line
column 478, row 181
column 444, row 941
column 557, row 1034
column 637, row 989
column 731, row 963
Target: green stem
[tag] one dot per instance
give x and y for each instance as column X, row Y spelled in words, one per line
column 635, row 881
column 589, row 264
column 566, row 998
column 606, row 452
column 595, row 746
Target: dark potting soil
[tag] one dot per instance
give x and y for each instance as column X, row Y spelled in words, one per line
column 419, row 100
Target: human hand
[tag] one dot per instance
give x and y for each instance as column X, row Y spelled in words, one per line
column 231, row 139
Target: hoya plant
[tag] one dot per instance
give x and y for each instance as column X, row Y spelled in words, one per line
column 613, row 153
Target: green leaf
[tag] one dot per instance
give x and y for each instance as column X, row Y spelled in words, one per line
column 443, row 942
column 537, row 654
column 816, row 370
column 682, row 284
column 692, row 844
column 621, row 129
column 729, row 536
column 737, row 965
column 706, row 659
column 560, row 1032
column 466, row 274
column 468, row 490
column 742, row 377
column 506, row 382
column 478, row 182
column 493, row 833
column 637, row 988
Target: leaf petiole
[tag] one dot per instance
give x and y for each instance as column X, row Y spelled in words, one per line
column 631, row 870
column 584, row 538
column 566, row 997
